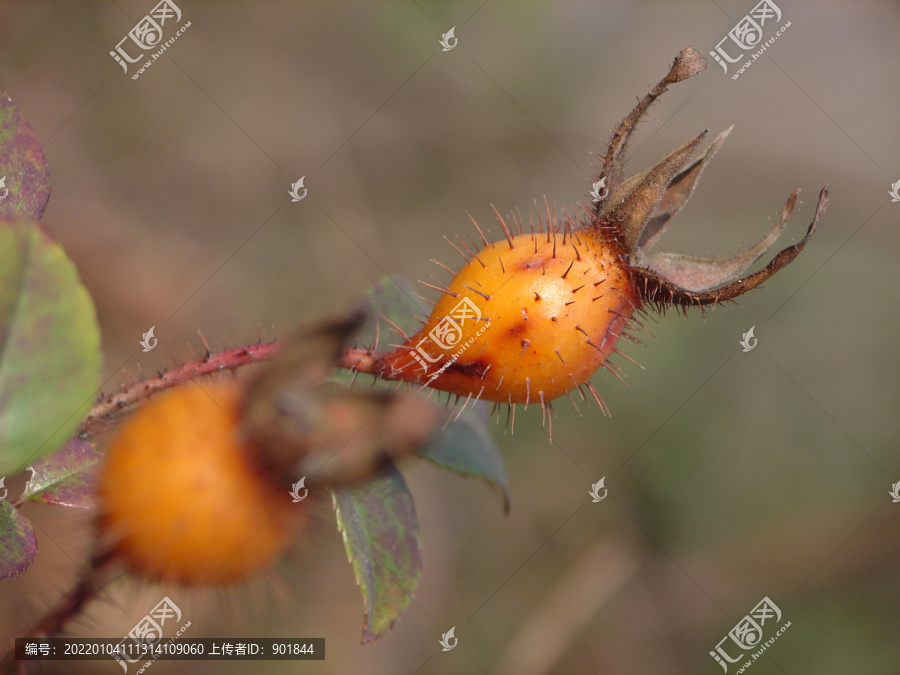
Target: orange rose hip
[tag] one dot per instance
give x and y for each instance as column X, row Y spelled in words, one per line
column 526, row 320
column 530, row 318
column 181, row 499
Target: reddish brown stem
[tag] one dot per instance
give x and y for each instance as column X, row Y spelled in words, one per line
column 122, row 400
column 71, row 605
column 112, row 405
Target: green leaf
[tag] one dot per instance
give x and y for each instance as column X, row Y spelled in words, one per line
column 381, row 535
column 465, row 447
column 65, row 478
column 22, row 165
column 18, row 544
column 393, row 298
column 49, row 346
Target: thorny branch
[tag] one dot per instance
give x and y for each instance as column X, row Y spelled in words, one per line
column 124, row 399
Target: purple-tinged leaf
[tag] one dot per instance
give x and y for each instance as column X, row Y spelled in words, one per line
column 24, row 178
column 65, row 478
column 49, row 346
column 378, row 522
column 18, row 544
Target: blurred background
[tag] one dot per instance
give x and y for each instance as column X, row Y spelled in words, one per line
column 731, row 475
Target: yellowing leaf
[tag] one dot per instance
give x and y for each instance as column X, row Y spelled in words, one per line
column 381, row 535
column 49, row 346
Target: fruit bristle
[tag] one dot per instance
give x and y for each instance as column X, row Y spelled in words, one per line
column 443, row 266
column 399, row 331
column 457, row 249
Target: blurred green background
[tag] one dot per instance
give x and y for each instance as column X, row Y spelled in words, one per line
column 731, row 475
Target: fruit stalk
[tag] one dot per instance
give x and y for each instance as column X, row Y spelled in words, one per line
column 124, row 399
column 89, row 585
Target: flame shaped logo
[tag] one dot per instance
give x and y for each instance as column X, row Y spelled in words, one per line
column 595, row 490
column 448, row 40
column 448, row 640
column 295, row 190
column 748, row 342
column 894, row 193
column 4, row 191
column 599, row 192
column 148, row 342
column 295, row 491
column 895, row 492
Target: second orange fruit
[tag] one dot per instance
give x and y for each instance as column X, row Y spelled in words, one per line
column 181, row 498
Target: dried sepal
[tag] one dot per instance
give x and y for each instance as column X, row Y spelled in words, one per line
column 308, row 358
column 281, row 404
column 638, row 209
column 629, row 213
column 680, row 190
column 359, row 434
column 302, row 425
column 658, row 290
column 688, row 63
column 694, row 273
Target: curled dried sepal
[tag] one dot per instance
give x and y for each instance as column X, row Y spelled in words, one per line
column 694, row 273
column 655, row 288
column 688, row 63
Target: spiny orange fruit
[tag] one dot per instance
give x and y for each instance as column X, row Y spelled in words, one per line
column 526, row 320
column 182, row 499
column 530, row 318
